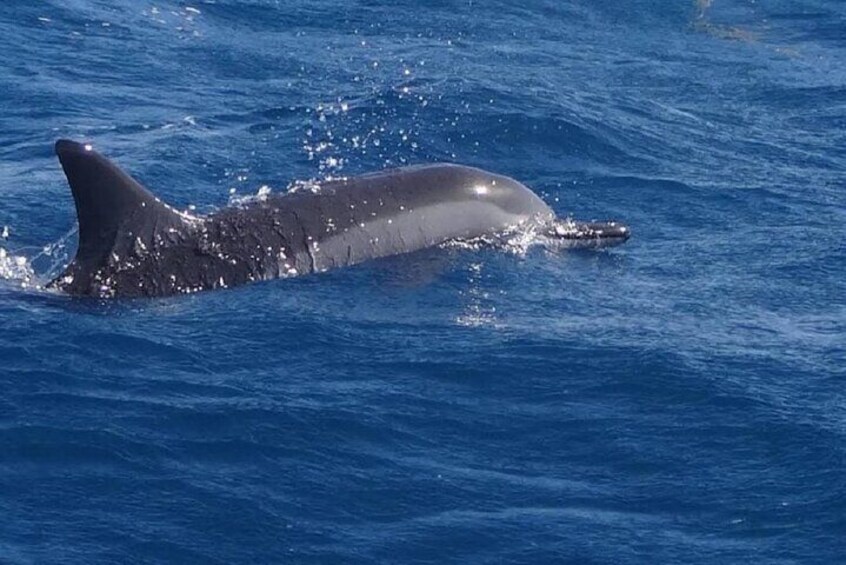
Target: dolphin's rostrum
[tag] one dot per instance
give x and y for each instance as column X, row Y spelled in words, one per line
column 132, row 244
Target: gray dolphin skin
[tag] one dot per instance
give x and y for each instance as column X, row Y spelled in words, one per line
column 132, row 245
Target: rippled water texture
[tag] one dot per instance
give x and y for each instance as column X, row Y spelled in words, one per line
column 678, row 399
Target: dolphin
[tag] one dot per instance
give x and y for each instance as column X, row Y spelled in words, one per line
column 131, row 244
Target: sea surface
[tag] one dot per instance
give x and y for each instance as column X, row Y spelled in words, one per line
column 677, row 399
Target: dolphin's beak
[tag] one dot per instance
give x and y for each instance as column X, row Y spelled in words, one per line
column 601, row 233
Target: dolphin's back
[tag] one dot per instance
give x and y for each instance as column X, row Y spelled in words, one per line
column 131, row 244
column 343, row 222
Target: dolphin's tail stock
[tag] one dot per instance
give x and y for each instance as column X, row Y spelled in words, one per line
column 117, row 217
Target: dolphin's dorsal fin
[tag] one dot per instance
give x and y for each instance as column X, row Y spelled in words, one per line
column 113, row 209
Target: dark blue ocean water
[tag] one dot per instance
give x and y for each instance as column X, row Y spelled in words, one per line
column 678, row 399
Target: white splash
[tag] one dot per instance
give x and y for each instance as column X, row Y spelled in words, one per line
column 479, row 309
column 31, row 268
column 304, row 185
column 261, row 195
column 516, row 239
column 520, row 238
column 15, row 267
